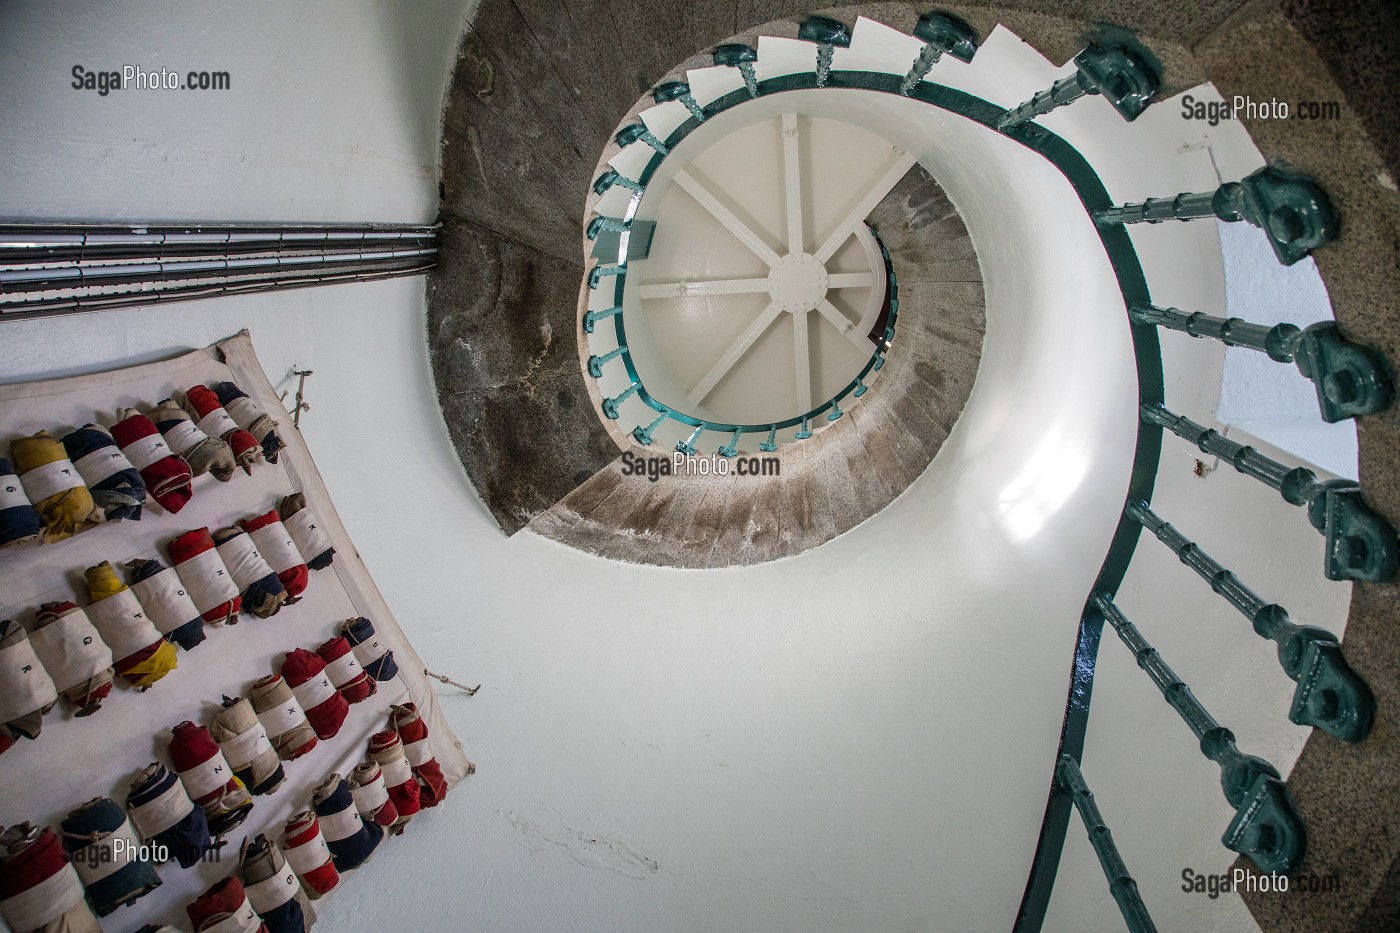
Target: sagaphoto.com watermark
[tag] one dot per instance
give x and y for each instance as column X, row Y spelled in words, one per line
column 134, row 77
column 679, row 464
column 1240, row 881
column 1214, row 111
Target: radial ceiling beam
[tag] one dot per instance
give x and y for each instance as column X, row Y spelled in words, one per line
column 882, row 186
column 725, row 216
column 697, row 289
column 792, row 181
column 845, row 325
column 802, row 361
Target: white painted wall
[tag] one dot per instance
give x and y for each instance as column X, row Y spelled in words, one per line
column 1268, row 401
column 332, row 112
column 767, row 748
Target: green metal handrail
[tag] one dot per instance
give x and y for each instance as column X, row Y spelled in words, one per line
column 1360, row 544
column 1070, row 780
column 1266, row 828
column 1350, row 379
column 1329, row 695
column 1296, row 217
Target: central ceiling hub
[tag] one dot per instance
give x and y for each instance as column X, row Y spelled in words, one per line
column 798, row 282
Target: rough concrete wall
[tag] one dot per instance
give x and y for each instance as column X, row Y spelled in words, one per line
column 507, row 373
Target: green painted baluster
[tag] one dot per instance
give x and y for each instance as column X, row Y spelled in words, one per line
column 1266, row 829
column 598, row 224
column 943, row 34
column 771, row 444
column 632, row 132
column 732, row 448
column 835, row 412
column 595, row 363
column 687, row 446
column 879, row 363
column 1070, row 779
column 1361, row 545
column 1350, row 379
column 1292, row 210
column 1329, row 694
column 643, row 435
column 827, row 33
column 591, row 318
column 678, row 90
column 610, row 178
column 610, row 404
column 742, row 57
column 861, row 388
column 596, row 274
column 1122, row 76
column 803, row 432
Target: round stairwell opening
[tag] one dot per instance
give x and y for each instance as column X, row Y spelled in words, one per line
column 764, row 294
column 743, row 300
column 761, row 298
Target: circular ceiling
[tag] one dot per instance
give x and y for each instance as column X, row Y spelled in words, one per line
column 763, row 292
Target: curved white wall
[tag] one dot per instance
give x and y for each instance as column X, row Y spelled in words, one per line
column 857, row 738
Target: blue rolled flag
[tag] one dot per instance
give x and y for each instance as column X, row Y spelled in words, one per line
column 163, row 813
column 162, row 594
column 374, row 656
column 273, row 888
column 351, row 840
column 20, row 523
column 111, row 861
column 251, row 418
column 116, row 486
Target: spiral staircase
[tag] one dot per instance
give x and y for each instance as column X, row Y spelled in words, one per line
column 511, row 255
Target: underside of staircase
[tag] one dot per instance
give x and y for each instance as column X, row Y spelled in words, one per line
column 541, row 86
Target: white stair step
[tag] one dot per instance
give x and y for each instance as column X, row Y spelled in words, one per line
column 710, row 84
column 1005, row 71
column 663, row 119
column 881, row 49
column 600, row 299
column 778, row 57
column 614, row 201
column 630, row 160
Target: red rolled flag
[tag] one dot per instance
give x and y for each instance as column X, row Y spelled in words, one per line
column 208, row 778
column 386, row 750
column 39, row 888
column 225, row 907
column 325, row 708
column 203, row 405
column 413, row 732
column 206, row 579
column 308, row 854
column 167, row 477
column 274, row 542
column 344, row 670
